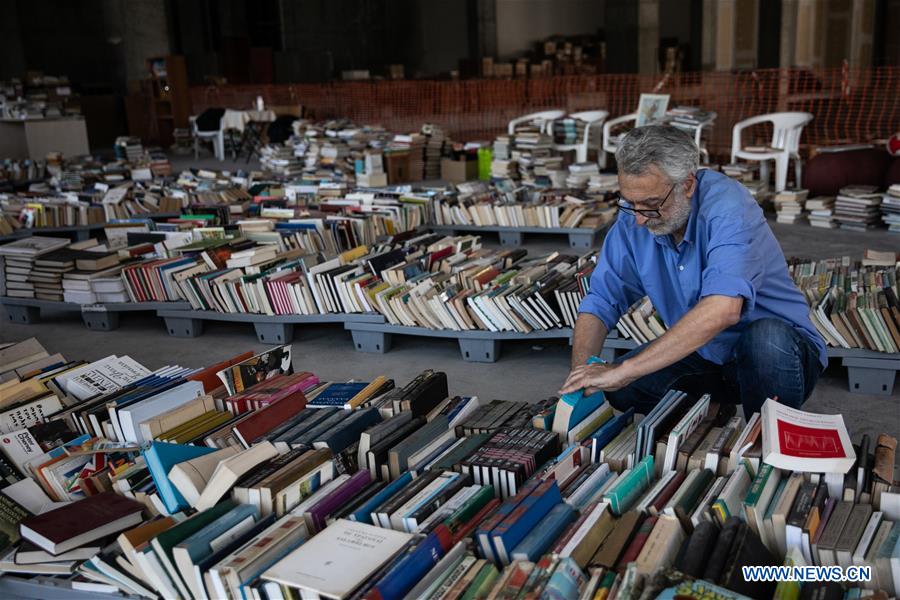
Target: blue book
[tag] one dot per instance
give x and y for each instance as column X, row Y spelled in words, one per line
column 519, row 523
column 160, row 458
column 337, row 394
column 483, row 532
column 539, row 540
column 404, row 575
column 573, row 407
column 608, row 432
column 566, row 581
column 364, row 513
column 348, row 432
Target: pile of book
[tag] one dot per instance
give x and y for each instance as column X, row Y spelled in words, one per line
column 580, row 174
column 789, row 205
column 857, row 207
column 280, row 160
column 434, row 149
column 568, row 131
column 820, row 211
column 853, row 304
column 35, row 212
column 249, row 479
column 17, row 261
column 890, row 208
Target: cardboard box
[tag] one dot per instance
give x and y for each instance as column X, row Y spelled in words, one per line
column 458, row 171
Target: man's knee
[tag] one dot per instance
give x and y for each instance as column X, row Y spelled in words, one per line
column 767, row 341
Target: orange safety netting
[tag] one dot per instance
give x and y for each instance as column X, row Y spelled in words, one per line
column 850, row 105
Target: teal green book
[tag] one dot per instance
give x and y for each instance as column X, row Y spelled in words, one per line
column 165, row 542
column 625, row 492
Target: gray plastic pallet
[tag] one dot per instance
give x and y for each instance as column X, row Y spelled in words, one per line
column 474, row 346
column 270, row 329
column 868, row 372
column 96, row 317
column 581, row 238
column 46, row 588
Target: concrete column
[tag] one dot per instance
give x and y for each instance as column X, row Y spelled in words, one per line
column 648, row 37
column 862, row 33
column 726, row 14
column 809, row 34
column 709, row 40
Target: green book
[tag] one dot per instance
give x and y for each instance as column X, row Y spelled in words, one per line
column 469, row 508
column 759, row 483
column 624, row 493
column 481, row 585
column 686, row 505
column 164, row 543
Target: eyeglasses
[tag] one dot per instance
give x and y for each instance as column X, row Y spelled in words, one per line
column 650, row 213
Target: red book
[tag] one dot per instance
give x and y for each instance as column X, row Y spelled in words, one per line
column 208, row 376
column 268, row 418
column 637, row 543
column 82, row 522
column 667, row 492
column 486, row 511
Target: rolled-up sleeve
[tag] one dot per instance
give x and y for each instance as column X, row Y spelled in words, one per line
column 733, row 265
column 615, row 284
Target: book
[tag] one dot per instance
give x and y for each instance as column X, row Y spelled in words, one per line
column 803, row 441
column 160, row 458
column 81, row 522
column 229, row 471
column 337, row 560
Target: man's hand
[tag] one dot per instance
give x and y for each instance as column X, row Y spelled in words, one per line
column 591, row 378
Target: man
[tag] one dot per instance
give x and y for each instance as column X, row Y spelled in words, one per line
column 699, row 246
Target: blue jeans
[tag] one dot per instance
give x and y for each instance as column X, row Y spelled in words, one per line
column 771, row 359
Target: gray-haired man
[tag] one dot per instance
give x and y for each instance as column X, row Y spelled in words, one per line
column 699, row 246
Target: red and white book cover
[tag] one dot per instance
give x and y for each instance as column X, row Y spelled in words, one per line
column 803, row 441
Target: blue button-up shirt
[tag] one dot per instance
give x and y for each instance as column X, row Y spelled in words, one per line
column 728, row 250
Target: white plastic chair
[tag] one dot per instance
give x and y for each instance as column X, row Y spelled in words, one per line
column 216, row 137
column 541, row 119
column 610, row 141
column 785, row 145
column 592, row 119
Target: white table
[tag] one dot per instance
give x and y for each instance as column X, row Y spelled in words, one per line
column 35, row 138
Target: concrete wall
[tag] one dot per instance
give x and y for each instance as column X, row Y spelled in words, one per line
column 520, row 23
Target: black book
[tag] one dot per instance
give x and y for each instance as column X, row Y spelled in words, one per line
column 378, row 454
column 698, row 549
column 747, row 550
column 719, row 556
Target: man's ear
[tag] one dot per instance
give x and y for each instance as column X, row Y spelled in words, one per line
column 690, row 185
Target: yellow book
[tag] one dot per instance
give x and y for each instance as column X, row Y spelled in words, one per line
column 366, row 393
column 354, row 253
column 178, row 429
column 177, row 416
column 203, row 428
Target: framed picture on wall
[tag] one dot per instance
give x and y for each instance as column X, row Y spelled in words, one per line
column 651, row 108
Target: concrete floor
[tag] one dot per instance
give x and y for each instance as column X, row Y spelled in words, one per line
column 524, row 372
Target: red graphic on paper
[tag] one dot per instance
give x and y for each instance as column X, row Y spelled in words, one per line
column 809, row 442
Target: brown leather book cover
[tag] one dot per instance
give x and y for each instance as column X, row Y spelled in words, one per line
column 609, row 552
column 82, row 516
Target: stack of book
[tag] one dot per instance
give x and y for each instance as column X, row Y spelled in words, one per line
column 280, row 160
column 820, row 211
column 857, row 208
column 31, row 212
column 890, row 208
column 434, row 148
column 18, row 264
column 245, row 479
column 580, row 174
column 789, row 205
column 568, row 131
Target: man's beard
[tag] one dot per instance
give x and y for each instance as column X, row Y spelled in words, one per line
column 679, row 217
